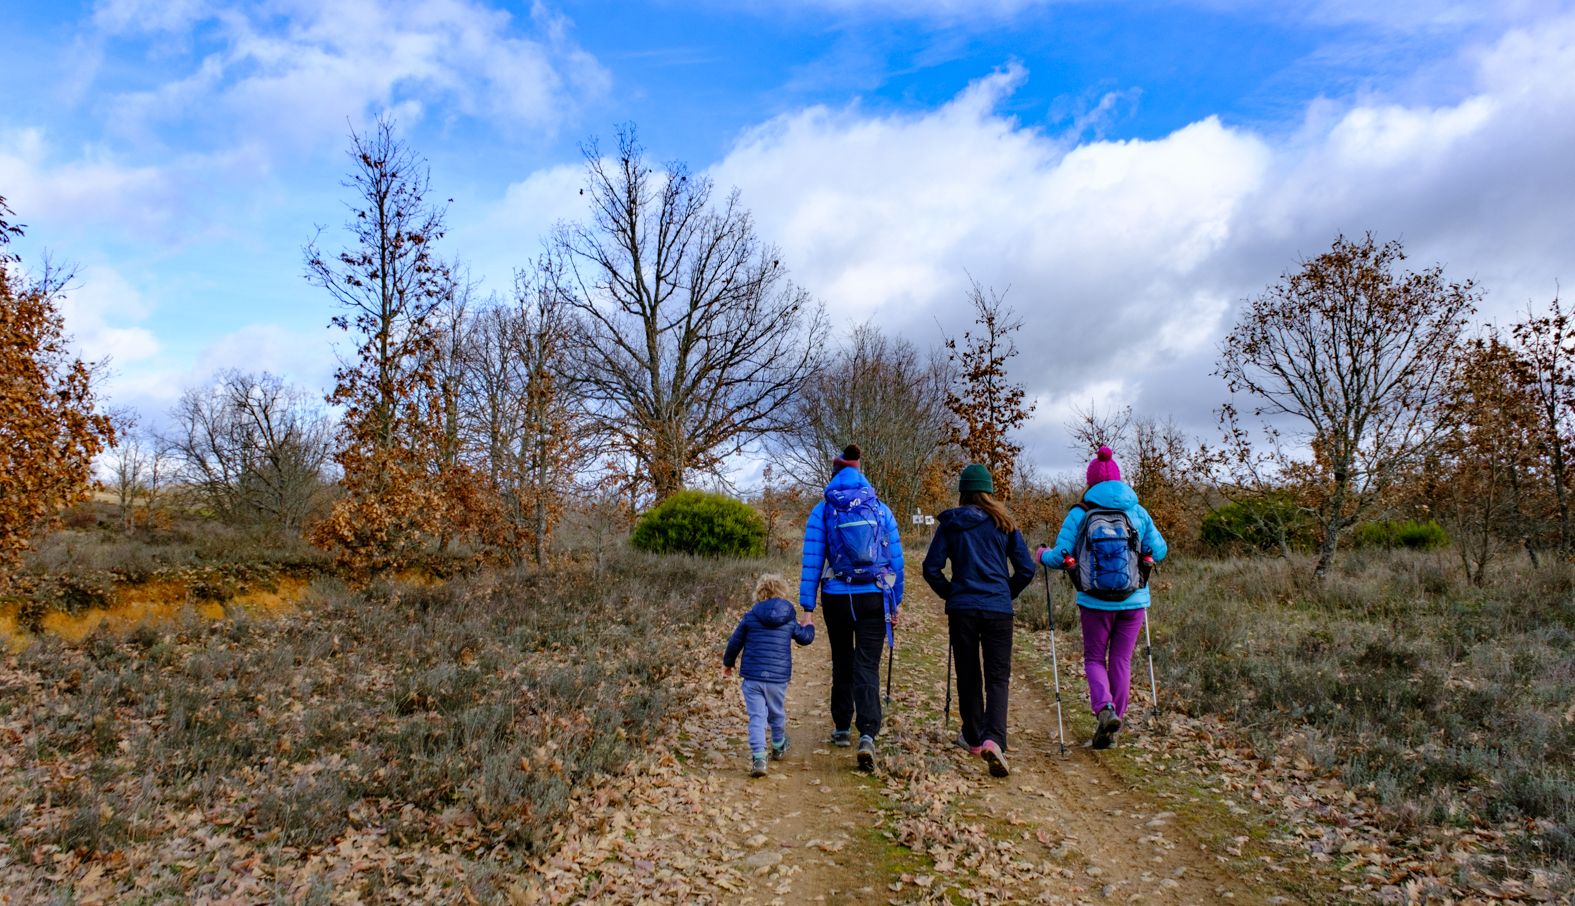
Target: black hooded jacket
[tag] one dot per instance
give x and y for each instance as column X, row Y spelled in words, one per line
column 989, row 567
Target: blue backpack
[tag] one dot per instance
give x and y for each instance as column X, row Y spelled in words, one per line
column 856, row 547
column 1109, row 566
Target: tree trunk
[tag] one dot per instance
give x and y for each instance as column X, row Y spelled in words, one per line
column 1331, row 525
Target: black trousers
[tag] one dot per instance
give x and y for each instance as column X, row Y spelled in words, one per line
column 856, row 631
column 981, row 700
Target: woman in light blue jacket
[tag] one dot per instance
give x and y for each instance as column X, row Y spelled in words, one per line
column 1111, row 623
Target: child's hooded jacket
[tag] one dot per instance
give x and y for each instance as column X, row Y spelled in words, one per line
column 764, row 637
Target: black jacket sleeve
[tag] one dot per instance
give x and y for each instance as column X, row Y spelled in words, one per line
column 934, row 563
column 1022, row 564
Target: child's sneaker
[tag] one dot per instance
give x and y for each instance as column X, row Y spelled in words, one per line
column 757, row 765
column 994, row 758
column 866, row 753
column 779, row 749
column 1109, row 724
column 962, row 743
column 842, row 738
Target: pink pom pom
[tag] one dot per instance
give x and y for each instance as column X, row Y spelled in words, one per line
column 1106, row 454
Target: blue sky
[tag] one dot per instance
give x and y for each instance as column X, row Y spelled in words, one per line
column 1130, row 171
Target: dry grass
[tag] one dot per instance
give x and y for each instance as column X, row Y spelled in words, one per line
column 453, row 716
column 1449, row 703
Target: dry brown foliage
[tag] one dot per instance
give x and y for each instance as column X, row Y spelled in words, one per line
column 1351, row 353
column 398, row 490
column 50, row 423
column 987, row 404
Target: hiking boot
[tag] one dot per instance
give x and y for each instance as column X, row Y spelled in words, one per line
column 1109, row 724
column 842, row 738
column 757, row 765
column 994, row 758
column 866, row 753
column 779, row 749
column 962, row 743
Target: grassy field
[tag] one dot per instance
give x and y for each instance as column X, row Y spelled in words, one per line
column 452, row 718
column 1449, row 703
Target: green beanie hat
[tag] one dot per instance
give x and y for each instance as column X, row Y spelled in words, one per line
column 976, row 478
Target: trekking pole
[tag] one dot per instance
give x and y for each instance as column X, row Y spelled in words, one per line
column 1148, row 649
column 1055, row 666
column 891, row 658
column 946, row 719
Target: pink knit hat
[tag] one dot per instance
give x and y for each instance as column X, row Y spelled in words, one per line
column 1104, row 467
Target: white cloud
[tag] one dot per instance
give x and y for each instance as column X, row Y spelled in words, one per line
column 292, row 72
column 103, row 314
column 91, row 189
column 1126, row 258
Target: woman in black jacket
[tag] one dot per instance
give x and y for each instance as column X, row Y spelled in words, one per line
column 990, row 567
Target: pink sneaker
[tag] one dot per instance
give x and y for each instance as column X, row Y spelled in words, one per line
column 994, row 758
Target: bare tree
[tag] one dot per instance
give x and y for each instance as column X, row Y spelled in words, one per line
column 988, row 406
column 884, row 395
column 253, row 448
column 520, row 424
column 1092, row 427
column 693, row 338
column 139, row 466
column 1353, row 353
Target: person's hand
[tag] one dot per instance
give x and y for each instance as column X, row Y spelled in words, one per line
column 896, row 616
column 805, row 617
column 726, row 670
column 1039, row 555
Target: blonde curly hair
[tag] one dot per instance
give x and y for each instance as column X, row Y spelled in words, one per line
column 770, row 585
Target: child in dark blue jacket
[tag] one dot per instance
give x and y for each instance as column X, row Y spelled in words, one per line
column 990, row 567
column 765, row 639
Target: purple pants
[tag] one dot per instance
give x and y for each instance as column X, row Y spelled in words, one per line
column 1109, row 638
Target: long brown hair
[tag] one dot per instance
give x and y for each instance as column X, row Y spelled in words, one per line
column 991, row 507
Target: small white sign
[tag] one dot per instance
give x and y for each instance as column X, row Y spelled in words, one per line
column 929, row 520
column 918, row 519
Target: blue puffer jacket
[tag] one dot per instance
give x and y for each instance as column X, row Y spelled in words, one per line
column 989, row 568
column 813, row 576
column 763, row 637
column 1115, row 495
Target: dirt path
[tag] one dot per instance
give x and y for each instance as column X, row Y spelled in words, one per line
column 1064, row 828
column 930, row 825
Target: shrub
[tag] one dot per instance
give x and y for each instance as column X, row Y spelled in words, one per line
column 697, row 522
column 1259, row 524
column 1410, row 534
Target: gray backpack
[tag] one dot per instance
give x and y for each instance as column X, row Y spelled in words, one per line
column 1109, row 565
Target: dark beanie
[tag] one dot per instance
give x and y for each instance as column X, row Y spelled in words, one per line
column 850, row 457
column 976, row 478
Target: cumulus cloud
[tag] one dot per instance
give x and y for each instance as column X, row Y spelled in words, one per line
column 103, row 314
column 294, row 70
column 1127, row 258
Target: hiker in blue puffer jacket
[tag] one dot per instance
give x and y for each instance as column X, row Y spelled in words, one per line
column 763, row 638
column 860, row 605
column 1111, row 622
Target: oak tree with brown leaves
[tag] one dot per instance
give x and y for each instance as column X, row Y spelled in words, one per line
column 389, row 282
column 1351, row 355
column 987, row 404
column 1481, row 478
column 51, row 427
column 1545, row 344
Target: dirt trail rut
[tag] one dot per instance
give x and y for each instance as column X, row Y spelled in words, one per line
column 1080, row 830
column 930, row 825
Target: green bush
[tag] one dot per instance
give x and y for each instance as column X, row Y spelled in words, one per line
column 1258, row 524
column 697, row 522
column 1410, row 534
